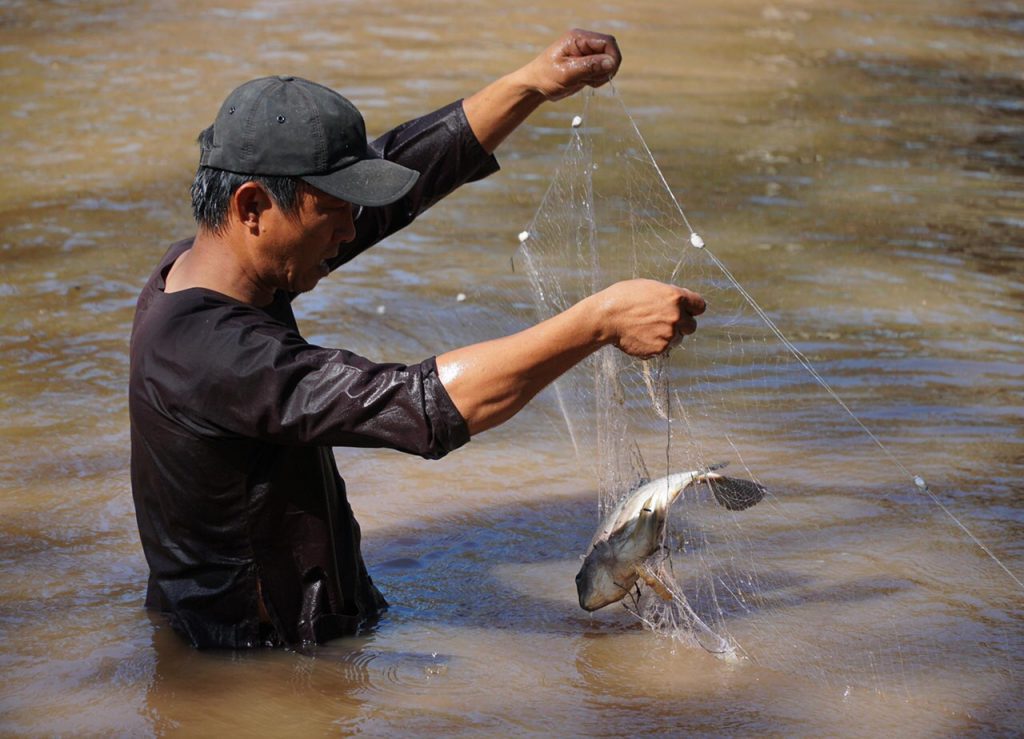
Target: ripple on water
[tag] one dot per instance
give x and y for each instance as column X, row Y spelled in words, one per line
column 422, row 685
column 485, row 636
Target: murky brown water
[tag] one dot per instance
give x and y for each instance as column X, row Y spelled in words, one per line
column 858, row 165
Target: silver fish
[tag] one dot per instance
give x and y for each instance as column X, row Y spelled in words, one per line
column 634, row 531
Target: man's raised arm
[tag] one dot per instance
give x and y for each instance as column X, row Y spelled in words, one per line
column 490, row 382
column 576, row 60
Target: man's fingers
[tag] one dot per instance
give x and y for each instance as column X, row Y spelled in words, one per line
column 599, row 47
column 592, row 45
column 591, row 42
column 592, row 70
column 601, row 44
column 691, row 303
column 686, row 325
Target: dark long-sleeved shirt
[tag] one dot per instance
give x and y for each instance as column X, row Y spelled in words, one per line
column 237, row 495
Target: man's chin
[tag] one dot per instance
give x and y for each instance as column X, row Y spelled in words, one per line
column 312, row 280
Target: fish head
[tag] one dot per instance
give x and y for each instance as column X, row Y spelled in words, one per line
column 603, row 579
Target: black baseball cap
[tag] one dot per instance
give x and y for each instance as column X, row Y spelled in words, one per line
column 289, row 126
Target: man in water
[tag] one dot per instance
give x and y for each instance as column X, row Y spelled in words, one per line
column 242, row 513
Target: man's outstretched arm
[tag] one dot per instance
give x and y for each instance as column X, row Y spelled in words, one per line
column 490, row 382
column 576, row 60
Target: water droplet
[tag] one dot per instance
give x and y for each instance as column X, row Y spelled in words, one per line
column 577, row 121
column 919, row 481
column 460, row 297
column 436, row 670
column 696, row 240
column 523, row 236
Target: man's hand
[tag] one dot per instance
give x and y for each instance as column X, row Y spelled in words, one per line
column 578, row 59
column 643, row 318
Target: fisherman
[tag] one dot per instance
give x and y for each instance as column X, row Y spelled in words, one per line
column 242, row 513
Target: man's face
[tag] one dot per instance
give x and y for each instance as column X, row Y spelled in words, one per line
column 295, row 248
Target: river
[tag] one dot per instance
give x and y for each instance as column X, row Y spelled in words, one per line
column 859, row 165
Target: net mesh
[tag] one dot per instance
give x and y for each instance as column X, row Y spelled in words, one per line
column 822, row 578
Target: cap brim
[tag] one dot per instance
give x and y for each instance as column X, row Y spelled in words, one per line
column 367, row 182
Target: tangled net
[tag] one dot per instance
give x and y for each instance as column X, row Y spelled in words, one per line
column 820, row 578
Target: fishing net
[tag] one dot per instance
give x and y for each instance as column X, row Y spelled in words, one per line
column 842, row 573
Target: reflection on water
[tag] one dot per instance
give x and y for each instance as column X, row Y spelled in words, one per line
column 859, row 169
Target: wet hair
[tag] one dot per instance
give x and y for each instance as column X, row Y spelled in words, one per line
column 212, row 190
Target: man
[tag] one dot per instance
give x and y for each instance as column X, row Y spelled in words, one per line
column 241, row 510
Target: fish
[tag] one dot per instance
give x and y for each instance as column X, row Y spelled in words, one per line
column 635, row 529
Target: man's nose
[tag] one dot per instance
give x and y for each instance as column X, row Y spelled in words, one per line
column 345, row 230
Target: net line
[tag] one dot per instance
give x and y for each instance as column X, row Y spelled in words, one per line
column 844, row 578
column 579, row 148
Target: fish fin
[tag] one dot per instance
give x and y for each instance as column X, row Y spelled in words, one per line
column 654, row 582
column 735, row 494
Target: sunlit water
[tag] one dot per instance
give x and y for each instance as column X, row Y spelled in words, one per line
column 858, row 166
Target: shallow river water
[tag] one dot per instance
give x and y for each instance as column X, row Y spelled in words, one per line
column 859, row 165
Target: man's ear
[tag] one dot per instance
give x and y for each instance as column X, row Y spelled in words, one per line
column 248, row 203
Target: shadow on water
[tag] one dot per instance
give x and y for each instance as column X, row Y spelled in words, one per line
column 506, row 572
column 513, row 568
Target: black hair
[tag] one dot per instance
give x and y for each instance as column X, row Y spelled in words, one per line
column 212, row 190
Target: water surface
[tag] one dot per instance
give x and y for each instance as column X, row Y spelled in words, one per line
column 858, row 166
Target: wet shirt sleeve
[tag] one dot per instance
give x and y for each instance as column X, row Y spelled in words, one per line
column 442, row 147
column 255, row 377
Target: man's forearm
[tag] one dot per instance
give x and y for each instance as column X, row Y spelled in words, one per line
column 496, row 111
column 491, row 381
